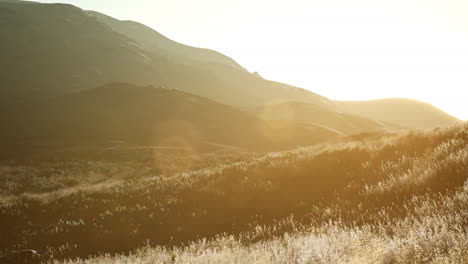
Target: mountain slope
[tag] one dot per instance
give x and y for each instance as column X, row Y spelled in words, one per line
column 159, row 44
column 148, row 116
column 57, row 48
column 54, row 49
column 74, row 50
column 209, row 73
column 405, row 112
column 342, row 123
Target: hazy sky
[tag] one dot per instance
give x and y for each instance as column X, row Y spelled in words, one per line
column 342, row 49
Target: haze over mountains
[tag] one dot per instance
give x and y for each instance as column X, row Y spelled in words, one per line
column 55, row 55
column 81, row 52
column 342, row 123
column 119, row 145
column 148, row 116
column 405, row 112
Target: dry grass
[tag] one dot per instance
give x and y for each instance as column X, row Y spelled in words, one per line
column 423, row 238
column 396, row 199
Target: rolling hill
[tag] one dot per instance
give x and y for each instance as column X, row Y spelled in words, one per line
column 209, row 73
column 75, row 50
column 120, row 145
column 159, row 44
column 402, row 198
column 147, row 116
column 405, row 112
column 340, row 122
column 51, row 50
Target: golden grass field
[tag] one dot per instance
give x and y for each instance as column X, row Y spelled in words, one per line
column 382, row 198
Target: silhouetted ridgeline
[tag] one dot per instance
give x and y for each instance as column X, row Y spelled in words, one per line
column 76, row 50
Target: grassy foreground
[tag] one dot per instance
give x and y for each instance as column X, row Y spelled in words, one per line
column 391, row 199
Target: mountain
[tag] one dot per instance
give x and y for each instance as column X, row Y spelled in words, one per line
column 405, row 112
column 339, row 122
column 52, row 49
column 209, row 73
column 17, row 1
column 159, row 44
column 147, row 116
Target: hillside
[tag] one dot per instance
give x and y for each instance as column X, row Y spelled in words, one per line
column 74, row 50
column 340, row 122
column 51, row 49
column 121, row 145
column 209, row 73
column 400, row 198
column 159, row 44
column 147, row 116
column 405, row 112
column 54, row 49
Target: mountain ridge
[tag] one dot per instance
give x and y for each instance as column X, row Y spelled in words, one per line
column 76, row 50
column 157, row 42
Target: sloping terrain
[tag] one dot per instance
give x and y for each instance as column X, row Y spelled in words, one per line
column 148, row 116
column 402, row 198
column 57, row 48
column 54, row 49
column 340, row 122
column 209, row 73
column 51, row 49
column 119, row 145
column 225, row 71
column 159, row 44
column 405, row 112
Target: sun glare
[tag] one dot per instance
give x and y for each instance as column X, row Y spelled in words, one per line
column 222, row 131
column 340, row 49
